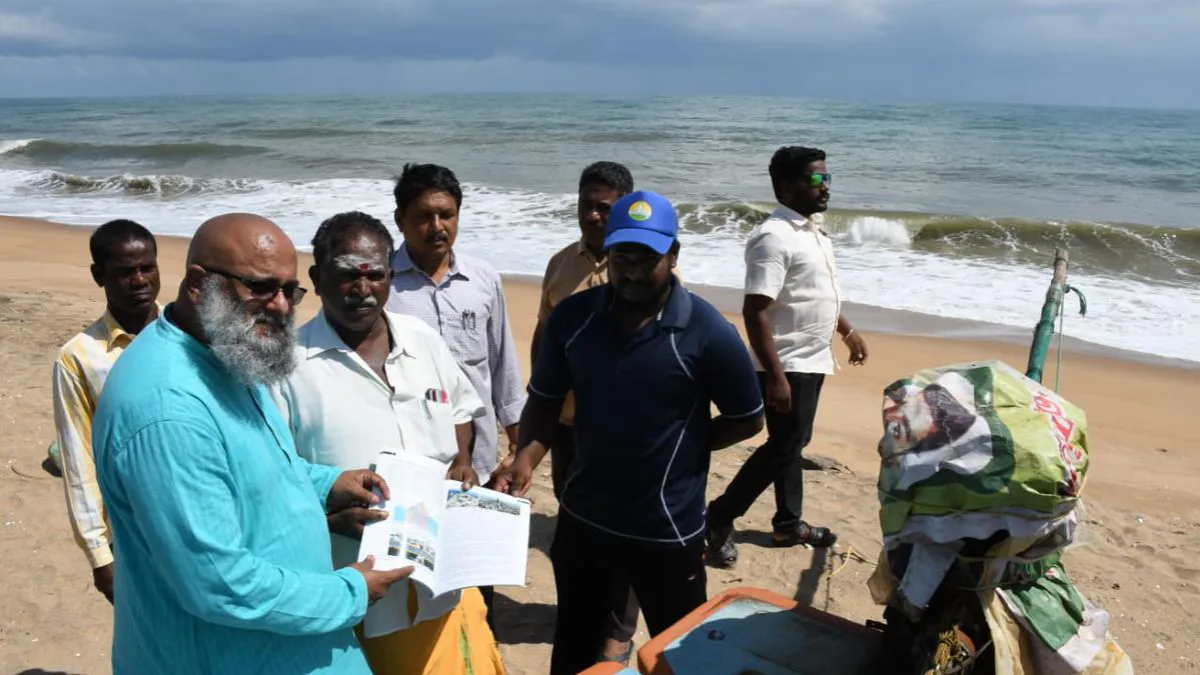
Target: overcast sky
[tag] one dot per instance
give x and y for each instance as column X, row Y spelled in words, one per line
column 1105, row 52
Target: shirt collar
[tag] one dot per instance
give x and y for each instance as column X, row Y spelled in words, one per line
column 113, row 332
column 674, row 315
column 582, row 249
column 321, row 337
column 678, row 310
column 797, row 220
column 402, row 262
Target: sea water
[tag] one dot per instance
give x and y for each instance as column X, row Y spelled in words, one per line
column 946, row 210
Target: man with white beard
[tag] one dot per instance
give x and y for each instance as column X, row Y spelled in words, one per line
column 224, row 562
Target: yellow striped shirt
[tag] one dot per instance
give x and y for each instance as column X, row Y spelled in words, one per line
column 79, row 373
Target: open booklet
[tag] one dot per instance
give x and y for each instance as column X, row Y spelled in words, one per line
column 453, row 539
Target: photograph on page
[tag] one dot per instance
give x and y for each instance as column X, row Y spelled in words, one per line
column 410, row 534
column 455, row 539
column 486, row 538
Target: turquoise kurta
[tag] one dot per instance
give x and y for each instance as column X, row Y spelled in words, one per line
column 222, row 550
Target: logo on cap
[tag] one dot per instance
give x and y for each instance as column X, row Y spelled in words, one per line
column 640, row 211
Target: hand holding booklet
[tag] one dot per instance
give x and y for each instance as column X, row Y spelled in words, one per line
column 453, row 539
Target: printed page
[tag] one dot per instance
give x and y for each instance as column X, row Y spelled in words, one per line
column 410, row 534
column 485, row 540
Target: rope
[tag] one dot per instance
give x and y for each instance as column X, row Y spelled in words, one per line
column 1062, row 319
column 850, row 554
column 1062, row 314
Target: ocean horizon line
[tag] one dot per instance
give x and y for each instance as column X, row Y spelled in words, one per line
column 319, row 95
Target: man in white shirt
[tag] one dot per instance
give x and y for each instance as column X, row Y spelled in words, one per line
column 361, row 386
column 792, row 310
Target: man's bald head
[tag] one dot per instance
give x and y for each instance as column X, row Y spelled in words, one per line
column 239, row 246
column 235, row 239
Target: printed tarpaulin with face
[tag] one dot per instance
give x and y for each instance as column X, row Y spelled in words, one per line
column 982, row 446
column 979, row 463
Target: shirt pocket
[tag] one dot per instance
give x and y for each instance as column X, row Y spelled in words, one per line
column 440, row 437
column 469, row 326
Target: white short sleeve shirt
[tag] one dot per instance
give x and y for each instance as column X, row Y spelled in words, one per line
column 342, row 414
column 790, row 260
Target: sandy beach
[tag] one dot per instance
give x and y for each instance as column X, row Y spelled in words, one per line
column 1139, row 558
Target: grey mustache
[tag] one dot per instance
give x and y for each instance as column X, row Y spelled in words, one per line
column 355, row 302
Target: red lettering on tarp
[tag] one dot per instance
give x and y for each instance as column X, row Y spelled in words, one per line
column 1062, row 428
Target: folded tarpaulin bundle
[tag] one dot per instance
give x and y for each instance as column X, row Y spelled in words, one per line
column 980, row 464
column 974, row 449
column 1045, row 626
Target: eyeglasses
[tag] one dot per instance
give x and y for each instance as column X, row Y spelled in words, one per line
column 818, row 179
column 265, row 290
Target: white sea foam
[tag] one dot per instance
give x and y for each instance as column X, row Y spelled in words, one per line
column 7, row 146
column 517, row 231
column 875, row 230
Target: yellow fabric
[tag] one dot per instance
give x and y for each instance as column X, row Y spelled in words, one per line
column 882, row 583
column 456, row 643
column 1019, row 654
column 1015, row 652
column 82, row 366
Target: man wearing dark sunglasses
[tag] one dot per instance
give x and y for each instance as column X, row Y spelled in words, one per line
column 225, row 562
column 792, row 310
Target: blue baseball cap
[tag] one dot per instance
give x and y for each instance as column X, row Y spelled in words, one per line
column 642, row 217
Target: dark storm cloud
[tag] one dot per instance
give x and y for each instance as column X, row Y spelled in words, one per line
column 867, row 48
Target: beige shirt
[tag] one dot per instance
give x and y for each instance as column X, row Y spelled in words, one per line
column 569, row 271
column 790, row 260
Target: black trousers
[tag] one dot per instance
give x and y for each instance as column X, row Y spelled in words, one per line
column 670, row 582
column 489, row 601
column 623, row 603
column 778, row 460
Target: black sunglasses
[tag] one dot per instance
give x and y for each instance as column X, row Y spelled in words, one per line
column 264, row 290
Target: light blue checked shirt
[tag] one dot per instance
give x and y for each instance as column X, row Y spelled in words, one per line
column 467, row 308
column 223, row 560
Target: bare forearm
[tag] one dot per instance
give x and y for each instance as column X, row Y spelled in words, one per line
column 465, row 435
column 843, row 326
column 539, row 423
column 726, row 432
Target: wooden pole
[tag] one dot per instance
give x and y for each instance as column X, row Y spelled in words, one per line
column 1044, row 331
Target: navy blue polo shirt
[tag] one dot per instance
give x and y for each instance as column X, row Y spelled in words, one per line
column 643, row 410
